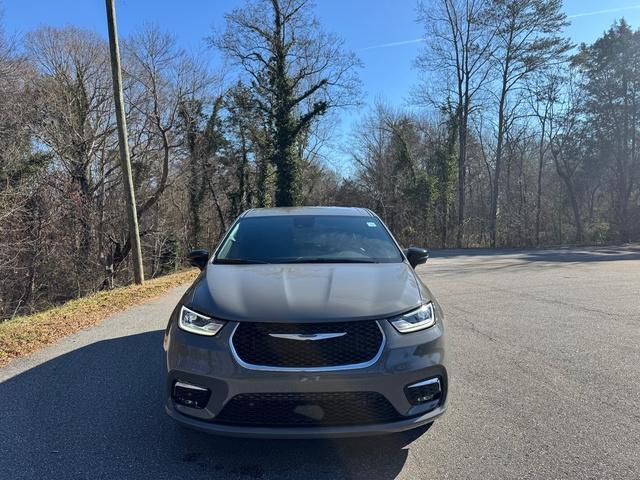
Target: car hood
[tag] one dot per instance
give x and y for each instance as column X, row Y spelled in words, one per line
column 307, row 293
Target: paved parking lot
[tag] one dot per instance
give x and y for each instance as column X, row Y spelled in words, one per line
column 544, row 353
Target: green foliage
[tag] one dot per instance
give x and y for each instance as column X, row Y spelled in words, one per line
column 611, row 82
column 297, row 72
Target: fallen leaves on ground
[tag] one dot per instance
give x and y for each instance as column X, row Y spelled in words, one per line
column 21, row 336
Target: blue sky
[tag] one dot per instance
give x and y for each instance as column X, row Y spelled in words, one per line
column 387, row 71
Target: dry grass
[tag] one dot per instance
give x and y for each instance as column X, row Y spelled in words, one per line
column 21, row 336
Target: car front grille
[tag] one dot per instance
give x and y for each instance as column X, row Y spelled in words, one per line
column 307, row 409
column 359, row 344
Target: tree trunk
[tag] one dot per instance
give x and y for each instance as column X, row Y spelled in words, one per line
column 539, row 192
column 568, row 182
column 197, row 185
column 496, row 181
column 462, row 157
column 288, row 190
column 575, row 208
column 239, row 203
column 223, row 223
column 262, row 183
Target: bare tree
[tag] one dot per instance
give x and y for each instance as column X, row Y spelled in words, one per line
column 565, row 131
column 75, row 123
column 543, row 91
column 21, row 173
column 75, row 98
column 526, row 40
column 392, row 170
column 160, row 79
column 459, row 47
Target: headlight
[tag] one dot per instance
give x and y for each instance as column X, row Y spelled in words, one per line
column 196, row 323
column 418, row 319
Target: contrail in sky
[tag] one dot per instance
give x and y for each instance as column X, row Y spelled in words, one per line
column 608, row 10
column 575, row 15
column 394, row 44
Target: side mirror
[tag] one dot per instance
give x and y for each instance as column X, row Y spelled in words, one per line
column 416, row 256
column 198, row 258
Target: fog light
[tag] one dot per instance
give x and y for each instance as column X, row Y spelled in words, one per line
column 190, row 395
column 423, row 392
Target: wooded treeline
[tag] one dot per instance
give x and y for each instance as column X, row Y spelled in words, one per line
column 512, row 137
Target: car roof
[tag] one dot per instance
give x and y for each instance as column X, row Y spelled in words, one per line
column 284, row 211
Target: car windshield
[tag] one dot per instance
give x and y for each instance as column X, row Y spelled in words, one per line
column 308, row 239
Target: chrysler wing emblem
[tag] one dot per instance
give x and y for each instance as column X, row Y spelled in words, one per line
column 307, row 336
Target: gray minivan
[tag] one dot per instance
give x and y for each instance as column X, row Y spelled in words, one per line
column 306, row 322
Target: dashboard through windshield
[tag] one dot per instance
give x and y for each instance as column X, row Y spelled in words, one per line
column 308, row 239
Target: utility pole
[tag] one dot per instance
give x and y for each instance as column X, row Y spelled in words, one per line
column 132, row 214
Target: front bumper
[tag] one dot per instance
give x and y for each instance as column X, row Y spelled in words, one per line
column 304, row 432
column 208, row 362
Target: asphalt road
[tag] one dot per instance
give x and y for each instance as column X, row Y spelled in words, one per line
column 545, row 383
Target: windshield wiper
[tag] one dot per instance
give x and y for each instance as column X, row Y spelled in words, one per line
column 238, row 261
column 330, row 260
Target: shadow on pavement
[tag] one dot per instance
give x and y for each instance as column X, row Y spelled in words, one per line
column 97, row 412
column 570, row 255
